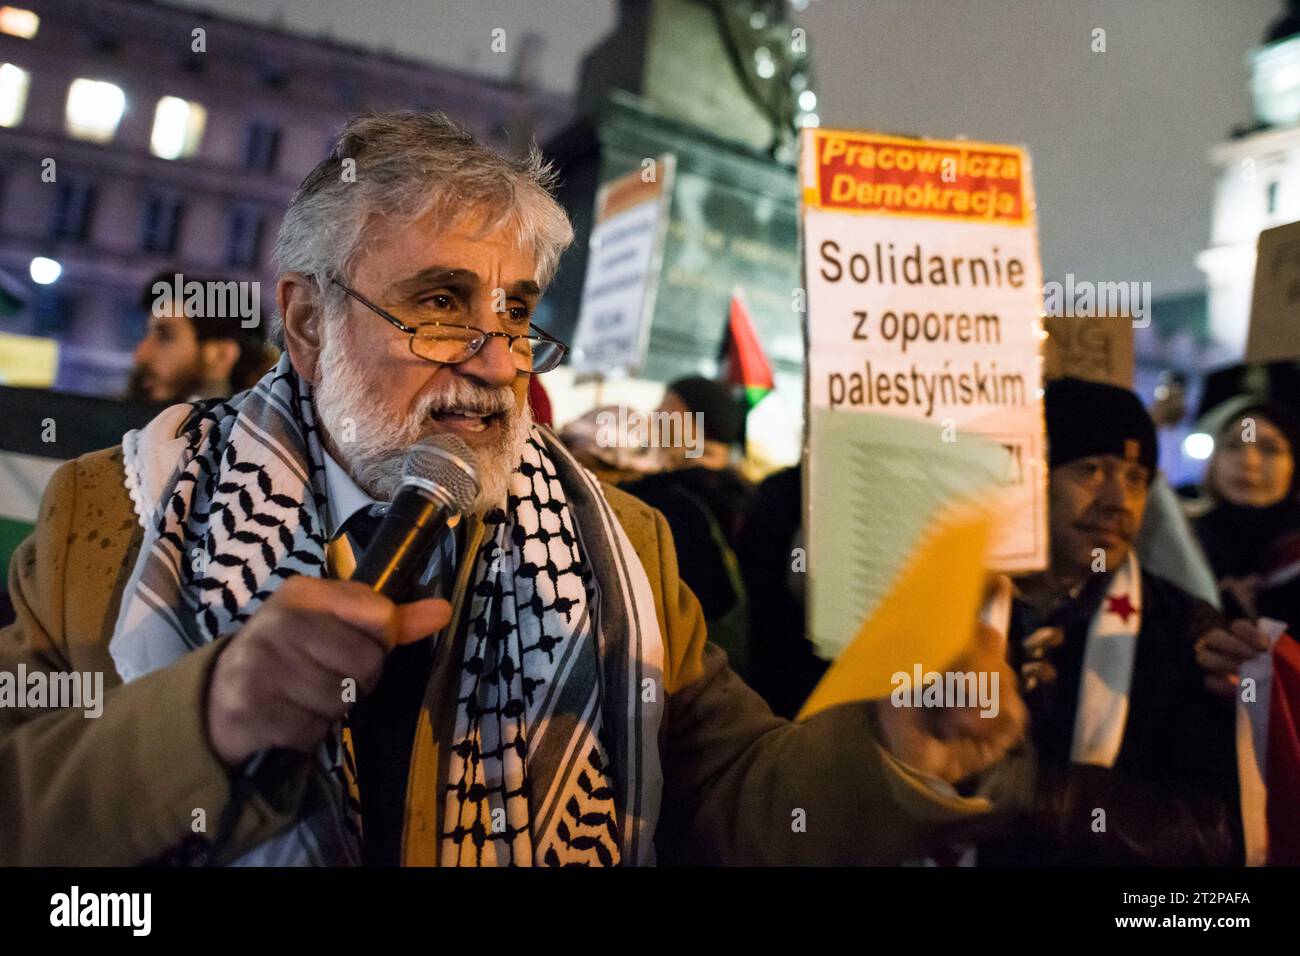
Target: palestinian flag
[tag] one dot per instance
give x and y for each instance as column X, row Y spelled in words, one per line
column 43, row 430
column 747, row 366
column 13, row 295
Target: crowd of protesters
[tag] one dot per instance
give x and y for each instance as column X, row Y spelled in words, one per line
column 1131, row 677
column 1134, row 731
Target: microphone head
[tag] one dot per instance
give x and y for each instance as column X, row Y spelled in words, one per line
column 445, row 465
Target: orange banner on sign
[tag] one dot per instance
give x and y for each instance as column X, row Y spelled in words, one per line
column 893, row 176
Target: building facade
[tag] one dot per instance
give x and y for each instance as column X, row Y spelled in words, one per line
column 137, row 137
column 1258, row 185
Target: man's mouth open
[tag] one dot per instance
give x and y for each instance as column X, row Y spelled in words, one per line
column 465, row 422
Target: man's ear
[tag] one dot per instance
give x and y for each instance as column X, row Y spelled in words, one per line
column 218, row 357
column 299, row 303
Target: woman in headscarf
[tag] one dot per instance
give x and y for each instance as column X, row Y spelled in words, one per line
column 1251, row 536
column 1253, row 522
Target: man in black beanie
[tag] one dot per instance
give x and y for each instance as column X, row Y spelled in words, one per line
column 1137, row 761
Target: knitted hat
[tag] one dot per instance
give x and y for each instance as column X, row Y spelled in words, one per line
column 1091, row 418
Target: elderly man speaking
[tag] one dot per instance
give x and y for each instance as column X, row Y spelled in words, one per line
column 546, row 697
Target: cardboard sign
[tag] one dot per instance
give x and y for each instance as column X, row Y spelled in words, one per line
column 1096, row 348
column 623, row 270
column 924, row 297
column 1275, row 307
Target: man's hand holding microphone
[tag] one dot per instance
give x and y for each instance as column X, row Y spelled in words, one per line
column 281, row 681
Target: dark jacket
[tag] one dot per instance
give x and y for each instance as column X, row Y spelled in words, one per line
column 783, row 667
column 1172, row 796
column 705, row 508
column 1240, row 541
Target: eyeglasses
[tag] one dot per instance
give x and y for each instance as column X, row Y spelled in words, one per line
column 451, row 344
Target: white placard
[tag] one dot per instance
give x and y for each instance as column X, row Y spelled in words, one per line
column 626, row 250
column 925, row 302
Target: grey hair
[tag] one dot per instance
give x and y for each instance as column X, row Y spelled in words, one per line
column 409, row 164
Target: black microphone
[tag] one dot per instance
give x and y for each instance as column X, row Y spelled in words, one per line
column 439, row 481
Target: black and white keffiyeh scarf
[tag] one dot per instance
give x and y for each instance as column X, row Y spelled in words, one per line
column 529, row 707
column 554, row 757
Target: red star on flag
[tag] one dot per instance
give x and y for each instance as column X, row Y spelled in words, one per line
column 1120, row 605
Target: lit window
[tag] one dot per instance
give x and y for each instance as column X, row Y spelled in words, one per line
column 13, row 94
column 1198, row 445
column 94, row 109
column 177, row 128
column 18, row 22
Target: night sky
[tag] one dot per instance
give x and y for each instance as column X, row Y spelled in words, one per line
column 1119, row 139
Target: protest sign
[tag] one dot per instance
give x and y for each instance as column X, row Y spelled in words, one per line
column 1275, row 306
column 623, row 270
column 924, row 294
column 1098, row 348
column 28, row 361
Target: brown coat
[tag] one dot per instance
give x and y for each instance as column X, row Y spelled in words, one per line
column 123, row 788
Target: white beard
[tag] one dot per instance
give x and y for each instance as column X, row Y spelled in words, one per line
column 371, row 443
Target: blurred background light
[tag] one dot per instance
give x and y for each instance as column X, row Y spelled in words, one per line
column 94, row 109
column 177, row 128
column 13, row 93
column 18, row 22
column 45, row 271
column 1198, row 445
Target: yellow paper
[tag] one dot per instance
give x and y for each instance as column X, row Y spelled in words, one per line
column 927, row 617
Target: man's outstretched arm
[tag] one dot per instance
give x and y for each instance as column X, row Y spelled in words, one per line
column 742, row 786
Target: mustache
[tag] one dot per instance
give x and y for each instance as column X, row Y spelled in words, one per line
column 1121, row 525
column 470, row 399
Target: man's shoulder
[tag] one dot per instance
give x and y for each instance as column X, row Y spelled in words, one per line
column 105, row 465
column 76, row 560
column 95, row 474
column 639, row 520
column 93, row 485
